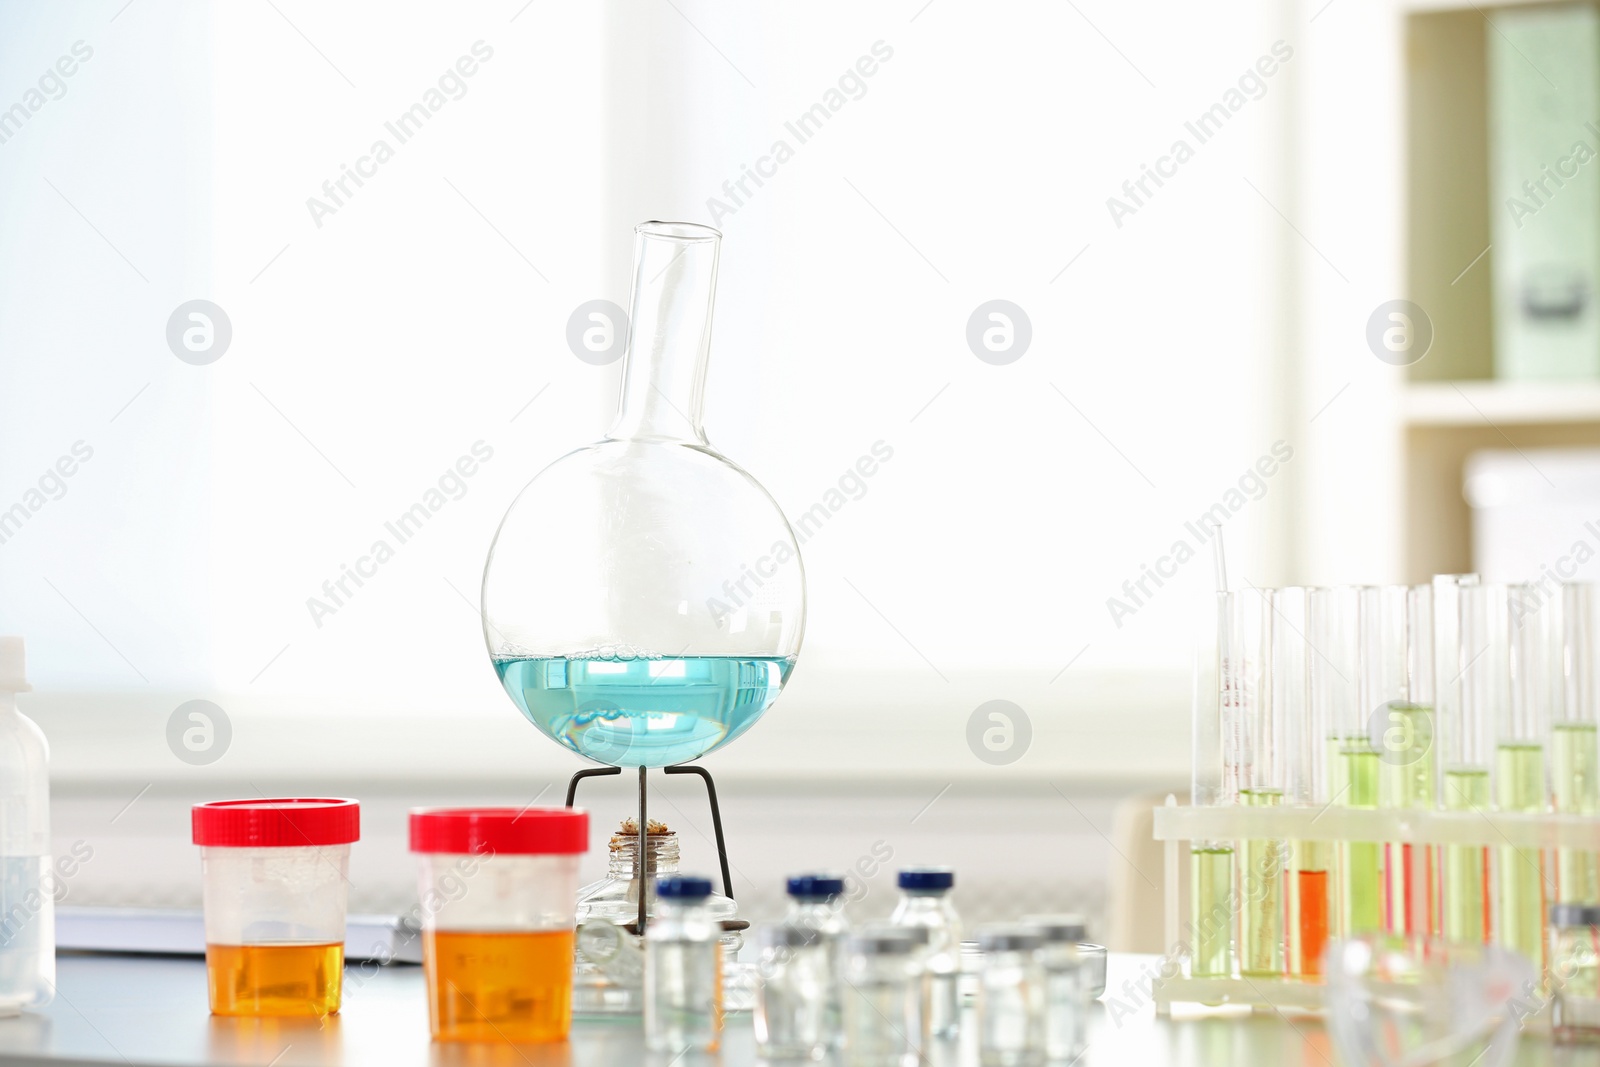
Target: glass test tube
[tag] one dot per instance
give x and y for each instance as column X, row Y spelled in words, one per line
column 1519, row 773
column 1466, row 704
column 1389, row 725
column 1575, row 788
column 1307, row 920
column 1352, row 759
column 1210, row 862
column 1262, row 759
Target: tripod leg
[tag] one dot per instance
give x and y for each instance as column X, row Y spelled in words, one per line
column 640, row 854
column 716, row 820
column 587, row 772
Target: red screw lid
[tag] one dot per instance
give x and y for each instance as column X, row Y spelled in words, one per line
column 280, row 822
column 513, row 831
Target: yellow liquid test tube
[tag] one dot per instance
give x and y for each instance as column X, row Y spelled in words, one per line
column 1466, row 867
column 1519, row 787
column 1360, row 862
column 1406, row 781
column 1575, row 790
column 1262, row 878
column 1211, row 886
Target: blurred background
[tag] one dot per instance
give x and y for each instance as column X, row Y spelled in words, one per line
column 1321, row 273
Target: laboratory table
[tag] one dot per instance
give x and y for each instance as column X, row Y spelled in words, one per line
column 141, row 1010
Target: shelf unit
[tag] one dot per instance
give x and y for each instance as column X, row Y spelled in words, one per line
column 1450, row 404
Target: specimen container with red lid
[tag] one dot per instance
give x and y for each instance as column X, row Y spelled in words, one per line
column 498, row 895
column 275, row 877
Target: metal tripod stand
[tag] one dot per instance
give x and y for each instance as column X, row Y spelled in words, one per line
column 639, row 857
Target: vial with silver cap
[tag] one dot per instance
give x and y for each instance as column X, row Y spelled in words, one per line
column 1068, row 982
column 1011, row 996
column 27, row 879
column 882, row 998
column 794, row 993
column 1575, row 973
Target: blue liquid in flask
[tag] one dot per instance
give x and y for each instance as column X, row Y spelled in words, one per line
column 643, row 712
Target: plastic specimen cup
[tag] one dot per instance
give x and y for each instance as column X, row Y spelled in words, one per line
column 498, row 891
column 274, row 891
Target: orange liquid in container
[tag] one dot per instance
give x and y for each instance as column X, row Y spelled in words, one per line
column 275, row 979
column 1313, row 887
column 494, row 986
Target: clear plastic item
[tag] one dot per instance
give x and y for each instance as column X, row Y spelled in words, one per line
column 682, row 970
column 1069, row 977
column 1397, row 1001
column 27, row 879
column 275, row 876
column 644, row 599
column 1011, row 997
column 794, row 994
column 882, row 998
column 925, row 902
column 608, row 975
column 497, row 887
column 1575, row 973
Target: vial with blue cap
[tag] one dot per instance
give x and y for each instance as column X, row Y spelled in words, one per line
column 816, row 903
column 925, row 902
column 682, row 969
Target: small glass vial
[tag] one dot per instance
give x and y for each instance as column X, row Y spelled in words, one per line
column 1575, row 973
column 925, row 902
column 882, row 998
column 816, row 902
column 1011, row 997
column 682, row 970
column 793, row 993
column 1067, row 983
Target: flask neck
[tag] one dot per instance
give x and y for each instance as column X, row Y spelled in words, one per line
column 669, row 333
column 661, row 855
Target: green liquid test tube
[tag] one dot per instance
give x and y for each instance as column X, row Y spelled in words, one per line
column 1261, row 919
column 1211, row 886
column 1519, row 787
column 1360, row 862
column 1211, row 863
column 1575, row 776
column 1574, row 789
column 1519, row 770
column 1469, row 655
column 1466, row 867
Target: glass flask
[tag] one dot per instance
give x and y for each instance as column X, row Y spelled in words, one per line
column 607, row 976
column 644, row 599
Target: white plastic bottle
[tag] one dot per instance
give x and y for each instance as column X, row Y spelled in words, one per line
column 27, row 907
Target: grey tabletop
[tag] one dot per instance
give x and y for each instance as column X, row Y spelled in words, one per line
column 125, row 1010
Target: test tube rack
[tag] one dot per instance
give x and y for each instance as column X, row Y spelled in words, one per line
column 1175, row 824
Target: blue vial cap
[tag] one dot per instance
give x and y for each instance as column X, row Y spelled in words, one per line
column 683, row 887
column 938, row 878
column 815, row 885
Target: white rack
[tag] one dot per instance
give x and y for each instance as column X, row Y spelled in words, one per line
column 1176, row 824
